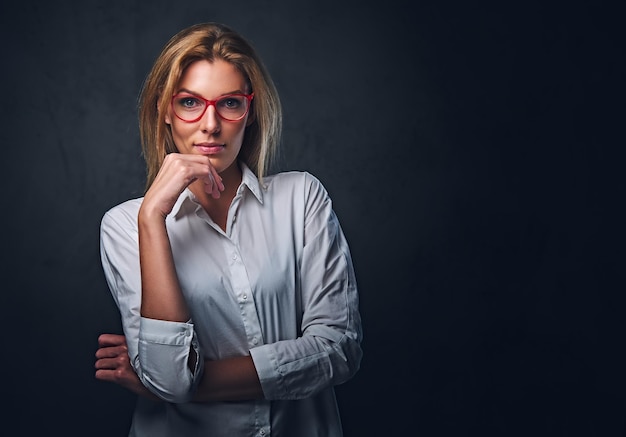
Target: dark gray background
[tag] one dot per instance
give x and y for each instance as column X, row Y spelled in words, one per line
column 474, row 153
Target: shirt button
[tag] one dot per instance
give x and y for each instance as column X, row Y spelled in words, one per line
column 245, row 296
column 255, row 341
column 234, row 256
column 262, row 432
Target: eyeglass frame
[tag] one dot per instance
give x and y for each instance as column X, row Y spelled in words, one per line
column 208, row 103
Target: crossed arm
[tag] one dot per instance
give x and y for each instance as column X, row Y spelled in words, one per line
column 113, row 365
column 225, row 380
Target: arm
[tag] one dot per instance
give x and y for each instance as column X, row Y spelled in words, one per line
column 161, row 296
column 231, row 379
column 113, row 365
column 227, row 380
column 168, row 352
column 328, row 351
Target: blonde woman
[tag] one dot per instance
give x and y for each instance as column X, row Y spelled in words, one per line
column 235, row 287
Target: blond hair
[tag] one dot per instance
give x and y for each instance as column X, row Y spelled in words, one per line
column 208, row 41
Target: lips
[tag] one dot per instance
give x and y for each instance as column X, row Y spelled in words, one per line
column 209, row 148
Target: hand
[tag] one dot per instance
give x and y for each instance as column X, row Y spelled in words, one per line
column 177, row 172
column 113, row 365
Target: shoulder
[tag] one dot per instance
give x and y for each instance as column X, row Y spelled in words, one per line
column 300, row 189
column 122, row 214
column 299, row 181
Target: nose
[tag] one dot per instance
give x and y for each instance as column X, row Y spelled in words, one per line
column 210, row 121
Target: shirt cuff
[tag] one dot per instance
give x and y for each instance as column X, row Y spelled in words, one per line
column 269, row 372
column 164, row 349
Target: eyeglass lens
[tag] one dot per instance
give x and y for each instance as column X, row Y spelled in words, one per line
column 190, row 108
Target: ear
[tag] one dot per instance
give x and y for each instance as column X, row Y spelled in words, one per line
column 168, row 120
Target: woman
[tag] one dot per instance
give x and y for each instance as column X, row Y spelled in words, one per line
column 236, row 288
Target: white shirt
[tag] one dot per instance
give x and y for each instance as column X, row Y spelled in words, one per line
column 278, row 285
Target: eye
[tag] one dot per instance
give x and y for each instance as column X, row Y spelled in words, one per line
column 188, row 102
column 230, row 102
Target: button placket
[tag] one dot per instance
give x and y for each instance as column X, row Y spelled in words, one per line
column 262, row 410
column 245, row 298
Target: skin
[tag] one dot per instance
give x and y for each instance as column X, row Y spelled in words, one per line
column 207, row 164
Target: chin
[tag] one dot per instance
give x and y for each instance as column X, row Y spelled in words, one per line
column 221, row 165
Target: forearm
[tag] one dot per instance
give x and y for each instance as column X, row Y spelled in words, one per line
column 232, row 379
column 161, row 296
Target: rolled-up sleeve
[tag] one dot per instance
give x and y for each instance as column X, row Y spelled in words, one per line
column 328, row 352
column 164, row 349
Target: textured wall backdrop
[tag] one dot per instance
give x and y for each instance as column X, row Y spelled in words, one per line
column 474, row 158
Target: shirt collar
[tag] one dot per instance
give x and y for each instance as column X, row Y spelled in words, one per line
column 249, row 179
column 187, row 201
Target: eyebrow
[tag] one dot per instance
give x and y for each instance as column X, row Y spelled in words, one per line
column 185, row 90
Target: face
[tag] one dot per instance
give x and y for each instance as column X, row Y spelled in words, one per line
column 211, row 135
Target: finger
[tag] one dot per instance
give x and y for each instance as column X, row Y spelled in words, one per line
column 111, row 351
column 209, row 184
column 105, row 363
column 218, row 185
column 199, row 167
column 217, row 179
column 112, row 375
column 105, row 375
column 216, row 192
column 105, row 340
column 111, row 363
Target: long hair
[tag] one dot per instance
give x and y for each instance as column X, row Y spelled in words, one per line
column 208, row 41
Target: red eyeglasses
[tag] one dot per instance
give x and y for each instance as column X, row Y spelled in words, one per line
column 230, row 107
